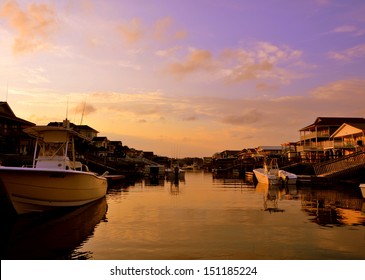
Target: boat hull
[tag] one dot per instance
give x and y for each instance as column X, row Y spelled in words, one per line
column 36, row 190
column 287, row 177
column 264, row 178
column 280, row 177
column 362, row 188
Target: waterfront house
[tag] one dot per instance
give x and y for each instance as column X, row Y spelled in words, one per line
column 101, row 143
column 88, row 132
column 349, row 137
column 227, row 154
column 316, row 137
column 12, row 138
column 269, row 150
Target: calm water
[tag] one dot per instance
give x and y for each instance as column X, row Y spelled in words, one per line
column 200, row 218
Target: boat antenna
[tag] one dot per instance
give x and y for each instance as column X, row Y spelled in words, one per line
column 67, row 109
column 83, row 111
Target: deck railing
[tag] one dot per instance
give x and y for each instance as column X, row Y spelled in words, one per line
column 340, row 165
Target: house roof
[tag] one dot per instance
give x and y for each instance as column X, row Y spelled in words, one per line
column 7, row 113
column 100, row 138
column 359, row 126
column 86, row 127
column 74, row 126
column 332, row 121
column 269, row 148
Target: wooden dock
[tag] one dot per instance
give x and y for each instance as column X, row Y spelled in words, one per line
column 341, row 167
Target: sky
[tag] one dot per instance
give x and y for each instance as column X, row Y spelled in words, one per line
column 184, row 78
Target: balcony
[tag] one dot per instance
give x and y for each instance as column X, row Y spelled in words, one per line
column 312, row 147
column 315, row 134
column 330, row 144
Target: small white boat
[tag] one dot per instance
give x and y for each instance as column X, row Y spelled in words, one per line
column 54, row 180
column 287, row 177
column 362, row 188
column 175, row 173
column 271, row 174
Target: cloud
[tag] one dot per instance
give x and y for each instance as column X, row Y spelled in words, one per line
column 345, row 29
column 34, row 25
column 343, row 91
column 264, row 63
column 131, row 32
column 161, row 31
column 167, row 52
column 250, row 117
column 349, row 54
column 85, row 109
column 196, row 60
column 351, row 29
column 35, row 76
column 190, row 118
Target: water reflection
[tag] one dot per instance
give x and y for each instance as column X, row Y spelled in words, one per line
column 271, row 196
column 338, row 206
column 53, row 235
column 202, row 218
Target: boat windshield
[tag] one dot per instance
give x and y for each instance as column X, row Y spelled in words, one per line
column 52, row 149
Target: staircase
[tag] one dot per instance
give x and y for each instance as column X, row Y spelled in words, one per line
column 341, row 166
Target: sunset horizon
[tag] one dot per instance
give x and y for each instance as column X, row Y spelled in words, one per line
column 184, row 79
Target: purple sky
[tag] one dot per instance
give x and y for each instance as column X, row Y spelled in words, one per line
column 184, row 78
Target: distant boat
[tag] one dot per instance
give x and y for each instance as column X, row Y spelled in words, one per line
column 362, row 188
column 271, row 174
column 154, row 171
column 175, row 173
column 54, row 180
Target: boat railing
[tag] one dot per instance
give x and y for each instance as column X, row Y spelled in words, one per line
column 272, row 167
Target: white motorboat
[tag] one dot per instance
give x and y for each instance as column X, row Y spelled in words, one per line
column 362, row 188
column 287, row 177
column 271, row 174
column 54, row 180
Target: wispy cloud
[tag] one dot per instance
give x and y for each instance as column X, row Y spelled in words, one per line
column 131, row 32
column 195, row 61
column 349, row 54
column 33, row 25
column 350, row 29
column 84, row 109
column 341, row 92
column 161, row 31
column 265, row 63
column 250, row 117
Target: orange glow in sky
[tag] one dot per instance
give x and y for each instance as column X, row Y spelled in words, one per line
column 184, row 78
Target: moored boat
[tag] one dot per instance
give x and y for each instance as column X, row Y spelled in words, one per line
column 271, row 174
column 287, row 177
column 54, row 180
column 175, row 173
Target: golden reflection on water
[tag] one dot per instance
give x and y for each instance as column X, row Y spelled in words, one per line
column 206, row 218
column 199, row 218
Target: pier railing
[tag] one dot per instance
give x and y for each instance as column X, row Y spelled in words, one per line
column 340, row 166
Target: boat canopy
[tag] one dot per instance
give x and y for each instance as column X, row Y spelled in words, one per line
column 52, row 134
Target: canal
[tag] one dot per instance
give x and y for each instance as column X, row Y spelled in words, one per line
column 200, row 218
